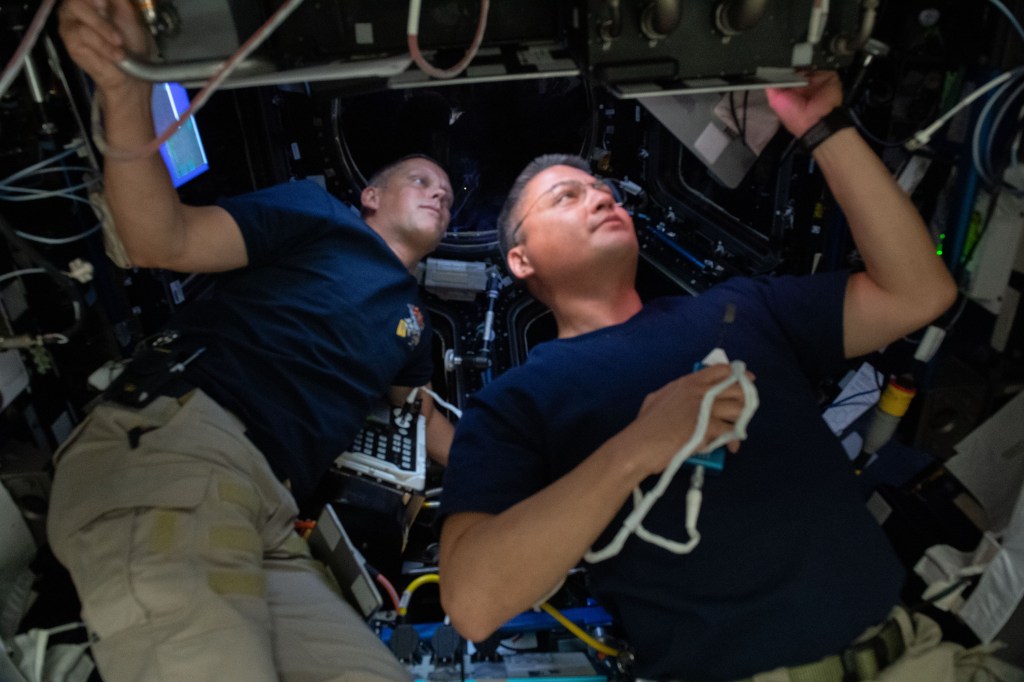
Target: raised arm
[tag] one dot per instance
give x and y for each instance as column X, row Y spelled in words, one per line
column 494, row 567
column 905, row 285
column 156, row 228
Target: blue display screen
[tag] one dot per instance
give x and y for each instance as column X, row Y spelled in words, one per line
column 183, row 154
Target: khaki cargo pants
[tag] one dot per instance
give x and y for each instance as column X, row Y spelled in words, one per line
column 181, row 545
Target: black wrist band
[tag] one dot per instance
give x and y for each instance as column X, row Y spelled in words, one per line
column 830, row 123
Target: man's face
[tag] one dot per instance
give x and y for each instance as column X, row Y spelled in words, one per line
column 567, row 219
column 415, row 203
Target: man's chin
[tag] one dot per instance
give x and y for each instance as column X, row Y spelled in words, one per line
column 433, row 235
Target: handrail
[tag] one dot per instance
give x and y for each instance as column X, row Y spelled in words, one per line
column 255, row 72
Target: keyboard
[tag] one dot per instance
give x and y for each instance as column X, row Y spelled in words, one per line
column 390, row 448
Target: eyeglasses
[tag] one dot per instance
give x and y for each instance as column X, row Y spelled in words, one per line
column 566, row 194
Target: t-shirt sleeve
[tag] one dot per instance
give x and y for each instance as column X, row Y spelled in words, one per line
column 809, row 311
column 495, row 460
column 283, row 217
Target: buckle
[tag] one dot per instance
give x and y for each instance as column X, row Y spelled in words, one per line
column 880, row 650
column 165, row 338
column 155, row 370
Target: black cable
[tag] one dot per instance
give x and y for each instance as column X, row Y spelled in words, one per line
column 846, row 400
column 966, row 580
column 871, row 136
column 746, row 107
column 740, row 128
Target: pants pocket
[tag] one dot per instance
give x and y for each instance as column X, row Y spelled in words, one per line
column 125, row 540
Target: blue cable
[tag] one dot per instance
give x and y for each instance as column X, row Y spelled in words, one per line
column 1009, row 15
column 45, row 162
column 987, row 132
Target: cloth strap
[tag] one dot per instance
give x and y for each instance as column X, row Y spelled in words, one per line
column 830, row 124
column 860, row 661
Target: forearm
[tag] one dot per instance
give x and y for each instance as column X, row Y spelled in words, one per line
column 886, row 226
column 439, row 437
column 155, row 228
column 144, row 204
column 907, row 280
column 438, row 431
column 495, row 567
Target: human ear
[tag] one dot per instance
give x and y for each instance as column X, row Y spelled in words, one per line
column 518, row 262
column 370, row 198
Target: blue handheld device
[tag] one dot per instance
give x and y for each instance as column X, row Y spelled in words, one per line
column 714, row 461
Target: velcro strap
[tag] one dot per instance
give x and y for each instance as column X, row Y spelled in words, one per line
column 857, row 663
column 864, row 660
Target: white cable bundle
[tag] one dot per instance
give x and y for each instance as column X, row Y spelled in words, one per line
column 643, row 503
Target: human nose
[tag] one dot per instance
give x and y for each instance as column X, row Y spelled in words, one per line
column 439, row 194
column 604, row 199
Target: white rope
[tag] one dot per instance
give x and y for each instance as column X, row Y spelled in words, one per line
column 642, row 504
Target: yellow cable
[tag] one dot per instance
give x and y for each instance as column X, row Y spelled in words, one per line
column 551, row 610
column 403, row 605
column 576, row 630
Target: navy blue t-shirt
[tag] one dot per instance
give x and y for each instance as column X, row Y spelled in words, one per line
column 791, row 567
column 298, row 344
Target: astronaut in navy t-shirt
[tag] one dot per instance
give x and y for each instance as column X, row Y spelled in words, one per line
column 783, row 565
column 175, row 514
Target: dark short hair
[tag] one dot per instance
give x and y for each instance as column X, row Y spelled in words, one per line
column 515, row 194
